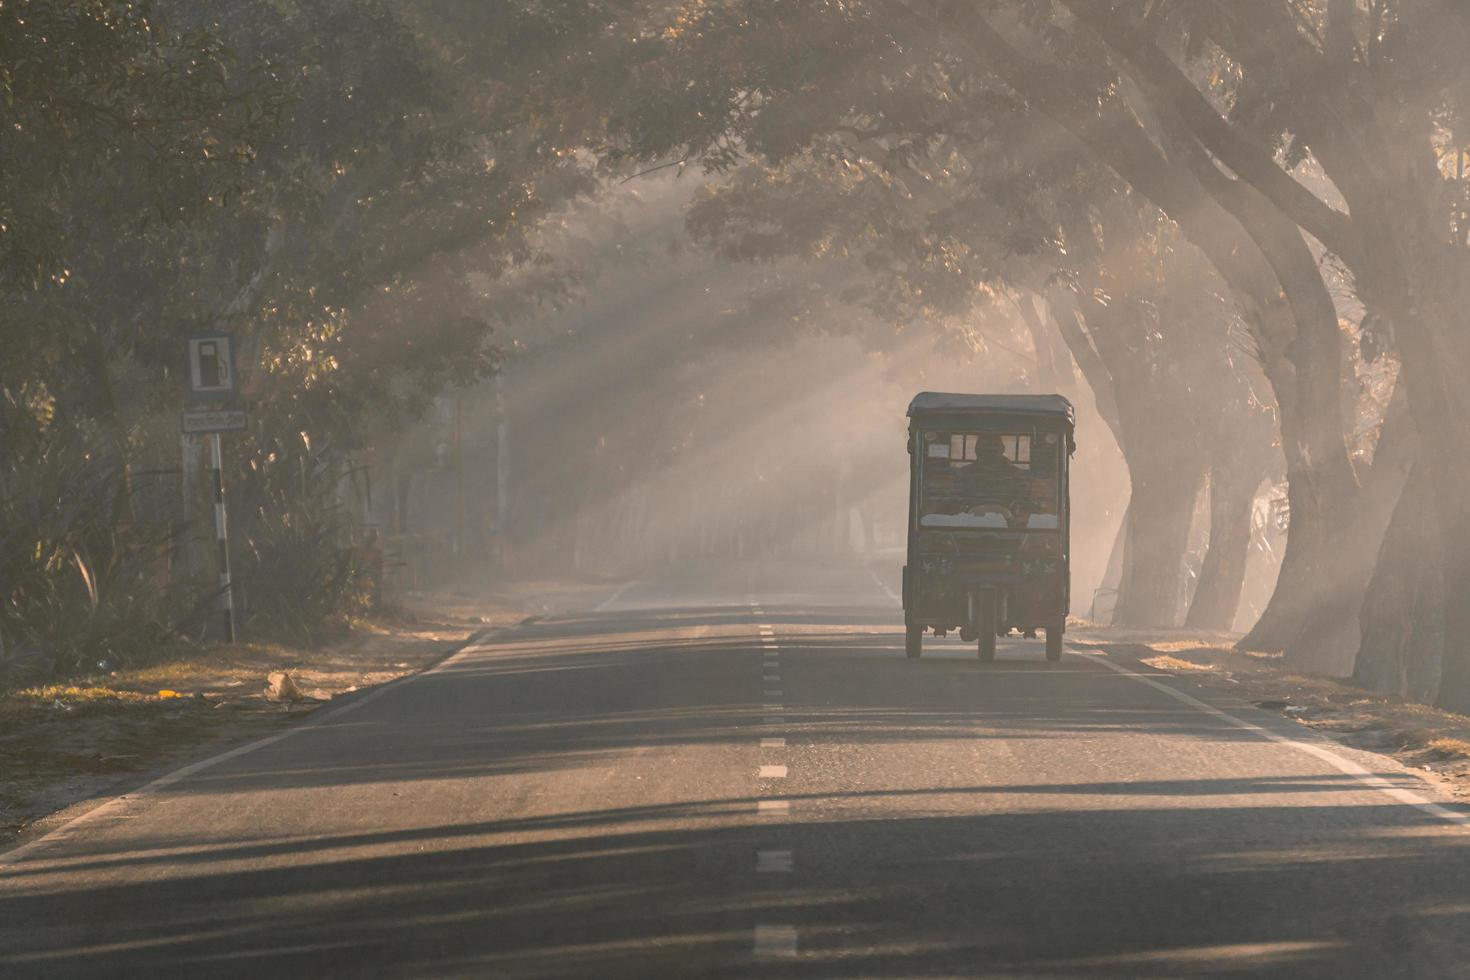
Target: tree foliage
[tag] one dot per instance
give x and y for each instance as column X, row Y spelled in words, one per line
column 319, row 177
column 340, row 181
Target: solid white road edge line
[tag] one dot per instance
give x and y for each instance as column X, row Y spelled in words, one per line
column 1338, row 762
column 884, row 586
column 315, row 720
column 605, row 604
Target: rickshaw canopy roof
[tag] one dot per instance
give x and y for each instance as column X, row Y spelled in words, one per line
column 926, row 402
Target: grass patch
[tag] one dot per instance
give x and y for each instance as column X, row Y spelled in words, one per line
column 75, row 701
column 1449, row 748
column 1181, row 646
column 76, row 695
column 1414, row 738
column 1165, row 662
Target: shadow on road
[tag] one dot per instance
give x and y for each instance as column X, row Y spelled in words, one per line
column 614, row 901
column 967, row 869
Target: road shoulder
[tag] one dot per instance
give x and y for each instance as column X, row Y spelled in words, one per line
column 68, row 748
column 1433, row 744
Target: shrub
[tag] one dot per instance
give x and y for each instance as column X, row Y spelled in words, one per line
column 79, row 575
column 295, row 564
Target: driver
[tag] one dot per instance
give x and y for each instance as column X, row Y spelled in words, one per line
column 992, row 478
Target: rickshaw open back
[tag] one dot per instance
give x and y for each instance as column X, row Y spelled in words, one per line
column 989, row 518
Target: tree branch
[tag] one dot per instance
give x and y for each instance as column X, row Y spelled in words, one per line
column 1250, row 162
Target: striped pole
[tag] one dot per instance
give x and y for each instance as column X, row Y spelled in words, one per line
column 222, row 541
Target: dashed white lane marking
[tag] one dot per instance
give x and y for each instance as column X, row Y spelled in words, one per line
column 772, row 808
column 772, row 772
column 769, row 642
column 775, row 941
column 776, row 862
column 1338, row 762
column 771, row 677
column 884, row 586
column 771, row 693
column 607, row 603
column 773, row 743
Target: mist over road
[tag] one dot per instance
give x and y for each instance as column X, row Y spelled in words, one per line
column 739, row 774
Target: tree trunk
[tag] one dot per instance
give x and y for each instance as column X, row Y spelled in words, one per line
column 1298, row 582
column 1165, row 488
column 1454, row 678
column 1425, row 287
column 402, row 494
column 1272, row 276
column 1316, row 600
column 1306, row 376
column 1435, row 362
column 1222, row 574
column 1378, row 148
column 1115, row 571
column 1049, row 368
column 1402, row 619
column 1375, row 139
column 1320, row 493
column 1330, row 638
column 1423, row 283
column 1153, row 425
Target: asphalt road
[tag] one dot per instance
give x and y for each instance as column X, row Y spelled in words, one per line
column 742, row 776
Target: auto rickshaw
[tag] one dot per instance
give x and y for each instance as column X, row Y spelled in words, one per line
column 988, row 518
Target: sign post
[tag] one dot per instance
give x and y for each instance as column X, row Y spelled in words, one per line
column 210, row 372
column 222, row 539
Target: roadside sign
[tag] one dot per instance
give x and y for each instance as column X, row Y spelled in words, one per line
column 200, row 420
column 210, row 371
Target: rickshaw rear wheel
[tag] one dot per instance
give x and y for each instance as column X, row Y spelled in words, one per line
column 1054, row 642
column 985, row 624
column 913, row 641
